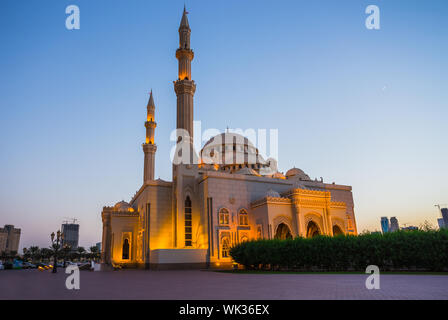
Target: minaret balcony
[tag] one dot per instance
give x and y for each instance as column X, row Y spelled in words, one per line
column 181, row 52
column 184, row 86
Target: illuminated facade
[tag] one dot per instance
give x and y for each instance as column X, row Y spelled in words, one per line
column 233, row 195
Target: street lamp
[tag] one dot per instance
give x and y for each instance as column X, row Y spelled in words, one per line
column 55, row 245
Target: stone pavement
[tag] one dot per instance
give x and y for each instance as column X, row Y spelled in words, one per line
column 193, row 285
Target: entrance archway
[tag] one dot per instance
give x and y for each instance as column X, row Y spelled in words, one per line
column 125, row 253
column 312, row 230
column 283, row 232
column 337, row 231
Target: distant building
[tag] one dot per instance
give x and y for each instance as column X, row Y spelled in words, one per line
column 9, row 238
column 445, row 216
column 98, row 245
column 394, row 226
column 441, row 223
column 71, row 235
column 410, row 228
column 385, row 224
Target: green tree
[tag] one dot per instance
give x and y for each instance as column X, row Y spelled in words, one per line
column 94, row 252
column 81, row 251
column 26, row 254
column 46, row 254
column 35, row 253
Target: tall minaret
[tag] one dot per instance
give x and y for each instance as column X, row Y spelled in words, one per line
column 149, row 148
column 184, row 86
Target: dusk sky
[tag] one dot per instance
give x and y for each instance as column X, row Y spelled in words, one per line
column 366, row 108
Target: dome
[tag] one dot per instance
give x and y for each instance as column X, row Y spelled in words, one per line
column 296, row 172
column 278, row 175
column 272, row 194
column 122, row 206
column 247, row 171
column 232, row 151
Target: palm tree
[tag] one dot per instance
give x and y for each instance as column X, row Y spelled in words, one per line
column 3, row 256
column 46, row 253
column 26, row 254
column 94, row 252
column 66, row 249
column 81, row 252
column 35, row 253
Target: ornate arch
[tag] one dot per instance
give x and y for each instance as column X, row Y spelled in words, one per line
column 316, row 219
column 243, row 217
column 278, row 220
column 221, row 212
column 187, row 191
column 337, row 222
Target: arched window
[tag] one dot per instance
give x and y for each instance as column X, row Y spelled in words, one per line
column 244, row 220
column 125, row 254
column 224, row 216
column 188, row 223
column 225, row 248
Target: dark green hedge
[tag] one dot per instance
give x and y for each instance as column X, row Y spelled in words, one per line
column 401, row 250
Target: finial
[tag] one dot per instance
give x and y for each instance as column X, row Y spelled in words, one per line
column 151, row 100
column 184, row 21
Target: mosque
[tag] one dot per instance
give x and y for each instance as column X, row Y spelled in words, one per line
column 230, row 195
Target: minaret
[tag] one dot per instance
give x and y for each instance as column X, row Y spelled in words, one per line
column 184, row 86
column 149, row 148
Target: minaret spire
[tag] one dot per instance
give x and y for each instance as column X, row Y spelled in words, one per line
column 149, row 148
column 184, row 86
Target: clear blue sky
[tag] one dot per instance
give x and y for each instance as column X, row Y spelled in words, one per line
column 361, row 107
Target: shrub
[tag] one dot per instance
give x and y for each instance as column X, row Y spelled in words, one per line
column 401, row 250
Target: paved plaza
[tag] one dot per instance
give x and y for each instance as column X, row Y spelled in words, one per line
column 209, row 285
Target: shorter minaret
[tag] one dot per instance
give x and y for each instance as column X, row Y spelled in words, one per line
column 149, row 148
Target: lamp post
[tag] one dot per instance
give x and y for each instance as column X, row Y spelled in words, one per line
column 55, row 245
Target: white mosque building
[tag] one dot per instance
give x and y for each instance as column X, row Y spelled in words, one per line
column 232, row 195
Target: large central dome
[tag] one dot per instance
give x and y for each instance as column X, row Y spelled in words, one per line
column 232, row 152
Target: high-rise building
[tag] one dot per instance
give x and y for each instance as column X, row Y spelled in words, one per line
column 98, row 245
column 394, row 226
column 71, row 235
column 9, row 238
column 445, row 216
column 385, row 224
column 410, row 228
column 441, row 223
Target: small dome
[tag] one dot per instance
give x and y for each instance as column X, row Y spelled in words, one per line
column 122, row 206
column 278, row 175
column 272, row 194
column 296, row 172
column 247, row 171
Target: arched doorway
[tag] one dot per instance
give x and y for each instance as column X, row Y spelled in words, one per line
column 125, row 253
column 225, row 249
column 283, row 232
column 312, row 230
column 337, row 231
